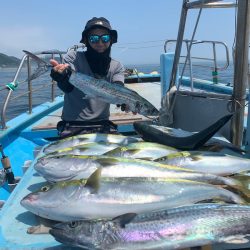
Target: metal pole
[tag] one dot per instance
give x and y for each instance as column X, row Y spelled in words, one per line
column 210, row 4
column 199, row 3
column 178, row 44
column 215, row 69
column 190, row 67
column 240, row 71
column 3, row 112
column 29, row 85
column 53, row 85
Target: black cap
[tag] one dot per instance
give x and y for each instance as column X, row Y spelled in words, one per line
column 100, row 22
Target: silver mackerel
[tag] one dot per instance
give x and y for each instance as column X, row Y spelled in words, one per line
column 176, row 228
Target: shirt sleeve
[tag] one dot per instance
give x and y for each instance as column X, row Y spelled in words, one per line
column 118, row 75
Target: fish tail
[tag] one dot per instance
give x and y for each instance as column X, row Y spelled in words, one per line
column 243, row 186
column 42, row 66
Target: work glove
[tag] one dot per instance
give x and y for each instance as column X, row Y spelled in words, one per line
column 62, row 79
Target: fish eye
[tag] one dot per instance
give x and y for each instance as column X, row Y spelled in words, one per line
column 73, row 224
column 45, row 189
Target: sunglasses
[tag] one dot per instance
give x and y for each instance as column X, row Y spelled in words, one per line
column 95, row 38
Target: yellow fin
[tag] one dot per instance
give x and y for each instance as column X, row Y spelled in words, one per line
column 107, row 161
column 93, row 181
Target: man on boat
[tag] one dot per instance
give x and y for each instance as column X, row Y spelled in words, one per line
column 81, row 114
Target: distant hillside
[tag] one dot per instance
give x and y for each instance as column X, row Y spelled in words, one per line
column 8, row 61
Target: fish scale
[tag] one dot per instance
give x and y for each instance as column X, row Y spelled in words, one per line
column 175, row 228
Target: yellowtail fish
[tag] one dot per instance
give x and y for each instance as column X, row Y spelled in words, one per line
column 109, row 197
column 87, row 138
column 208, row 162
column 86, row 149
column 75, row 167
column 142, row 150
column 176, row 228
column 102, row 89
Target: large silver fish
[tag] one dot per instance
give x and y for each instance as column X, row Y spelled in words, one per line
column 208, row 162
column 70, row 167
column 87, row 138
column 106, row 198
column 102, row 89
column 142, row 150
column 176, row 228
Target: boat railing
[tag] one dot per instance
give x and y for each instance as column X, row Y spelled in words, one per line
column 26, row 62
column 199, row 61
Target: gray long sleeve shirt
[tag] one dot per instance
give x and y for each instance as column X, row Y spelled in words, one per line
column 76, row 106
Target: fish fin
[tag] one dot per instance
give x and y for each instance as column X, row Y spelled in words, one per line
column 174, row 155
column 191, row 142
column 146, row 158
column 244, row 182
column 203, row 136
column 107, row 161
column 133, row 151
column 42, row 68
column 124, row 219
column 93, row 181
column 236, row 239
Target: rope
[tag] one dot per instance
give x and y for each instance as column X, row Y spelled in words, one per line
column 240, row 106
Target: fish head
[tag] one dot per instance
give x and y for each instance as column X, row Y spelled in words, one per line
column 87, row 234
column 57, row 168
column 41, row 200
column 52, row 198
column 146, row 108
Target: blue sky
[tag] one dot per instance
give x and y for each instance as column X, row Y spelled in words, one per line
column 53, row 24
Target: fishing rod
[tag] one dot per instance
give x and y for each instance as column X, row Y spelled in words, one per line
column 7, row 167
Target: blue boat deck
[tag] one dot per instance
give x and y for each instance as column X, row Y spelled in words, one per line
column 15, row 220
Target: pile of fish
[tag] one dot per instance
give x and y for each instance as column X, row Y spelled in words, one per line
column 118, row 192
